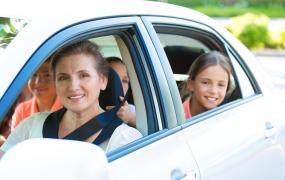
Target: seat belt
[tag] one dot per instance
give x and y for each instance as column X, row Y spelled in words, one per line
column 107, row 121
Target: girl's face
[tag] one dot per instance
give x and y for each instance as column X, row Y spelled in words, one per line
column 78, row 83
column 122, row 72
column 209, row 87
column 41, row 84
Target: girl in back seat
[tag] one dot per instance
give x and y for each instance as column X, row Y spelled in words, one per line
column 207, row 84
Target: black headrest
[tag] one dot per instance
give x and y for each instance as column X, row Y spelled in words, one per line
column 114, row 89
column 181, row 57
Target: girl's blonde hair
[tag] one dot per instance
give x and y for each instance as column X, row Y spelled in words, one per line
column 202, row 62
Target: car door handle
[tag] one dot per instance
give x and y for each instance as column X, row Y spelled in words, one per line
column 178, row 174
column 270, row 130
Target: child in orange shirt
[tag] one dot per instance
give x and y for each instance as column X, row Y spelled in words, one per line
column 44, row 98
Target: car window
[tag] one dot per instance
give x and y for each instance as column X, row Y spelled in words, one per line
column 183, row 45
column 125, row 44
column 114, row 46
column 108, row 46
column 182, row 53
column 9, row 28
column 181, row 49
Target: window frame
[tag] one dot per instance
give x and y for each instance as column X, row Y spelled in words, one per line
column 218, row 43
column 143, row 66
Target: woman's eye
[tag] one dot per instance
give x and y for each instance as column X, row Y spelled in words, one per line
column 84, row 75
column 61, row 78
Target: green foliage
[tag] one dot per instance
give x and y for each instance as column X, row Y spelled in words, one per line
column 230, row 8
column 9, row 29
column 250, row 19
column 230, row 11
column 282, row 35
column 251, row 29
column 277, row 38
column 254, row 36
column 265, row 2
column 243, row 3
column 6, row 31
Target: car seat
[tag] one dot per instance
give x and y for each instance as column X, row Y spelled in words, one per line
column 181, row 57
column 114, row 89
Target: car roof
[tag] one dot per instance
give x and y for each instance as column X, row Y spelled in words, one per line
column 88, row 9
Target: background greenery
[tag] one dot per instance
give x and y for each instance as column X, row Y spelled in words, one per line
column 9, row 29
column 253, row 30
column 271, row 8
column 249, row 19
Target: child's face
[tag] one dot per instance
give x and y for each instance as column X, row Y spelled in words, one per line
column 122, row 72
column 209, row 88
column 41, row 84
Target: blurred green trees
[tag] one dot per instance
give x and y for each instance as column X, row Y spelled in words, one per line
column 9, row 29
column 272, row 8
column 250, row 19
column 229, row 2
column 253, row 31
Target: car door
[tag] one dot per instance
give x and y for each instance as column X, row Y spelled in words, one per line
column 163, row 152
column 238, row 139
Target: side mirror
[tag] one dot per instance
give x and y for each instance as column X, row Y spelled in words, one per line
column 48, row 159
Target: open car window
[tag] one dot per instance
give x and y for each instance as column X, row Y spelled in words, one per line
column 182, row 45
column 122, row 42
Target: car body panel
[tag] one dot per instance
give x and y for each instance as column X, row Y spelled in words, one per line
column 228, row 147
column 162, row 160
column 243, row 139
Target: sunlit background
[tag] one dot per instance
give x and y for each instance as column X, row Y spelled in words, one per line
column 251, row 21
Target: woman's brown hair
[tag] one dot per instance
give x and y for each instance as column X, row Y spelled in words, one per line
column 82, row 47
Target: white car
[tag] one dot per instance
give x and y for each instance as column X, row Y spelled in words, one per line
column 241, row 139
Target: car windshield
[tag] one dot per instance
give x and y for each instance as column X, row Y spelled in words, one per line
column 9, row 28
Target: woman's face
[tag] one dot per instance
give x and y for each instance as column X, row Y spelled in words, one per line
column 209, row 87
column 41, row 84
column 78, row 83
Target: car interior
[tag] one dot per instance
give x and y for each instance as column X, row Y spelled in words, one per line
column 178, row 55
column 114, row 45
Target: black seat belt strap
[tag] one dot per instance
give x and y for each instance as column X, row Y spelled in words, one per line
column 107, row 121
